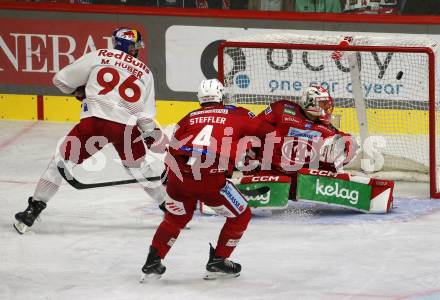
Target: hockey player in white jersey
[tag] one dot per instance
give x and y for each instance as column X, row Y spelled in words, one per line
column 118, row 100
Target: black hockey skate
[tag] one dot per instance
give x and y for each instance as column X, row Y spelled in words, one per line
column 153, row 267
column 27, row 217
column 162, row 207
column 219, row 267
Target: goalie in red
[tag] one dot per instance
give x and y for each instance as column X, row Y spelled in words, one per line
column 307, row 139
column 201, row 157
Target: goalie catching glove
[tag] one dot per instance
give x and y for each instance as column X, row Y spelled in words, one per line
column 80, row 93
column 339, row 150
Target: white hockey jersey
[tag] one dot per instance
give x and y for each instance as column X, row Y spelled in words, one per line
column 372, row 6
column 119, row 87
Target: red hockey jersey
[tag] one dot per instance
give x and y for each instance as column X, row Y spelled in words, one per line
column 300, row 137
column 215, row 135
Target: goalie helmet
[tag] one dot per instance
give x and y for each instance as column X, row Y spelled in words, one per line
column 127, row 40
column 210, row 90
column 317, row 102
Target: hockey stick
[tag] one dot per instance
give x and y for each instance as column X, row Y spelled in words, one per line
column 255, row 192
column 81, row 186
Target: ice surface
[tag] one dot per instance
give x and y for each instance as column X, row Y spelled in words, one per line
column 91, row 244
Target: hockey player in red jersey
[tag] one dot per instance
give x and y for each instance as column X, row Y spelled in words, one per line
column 201, row 157
column 308, row 139
column 118, row 106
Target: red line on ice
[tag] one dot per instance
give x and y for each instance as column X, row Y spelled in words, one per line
column 22, row 132
column 18, row 182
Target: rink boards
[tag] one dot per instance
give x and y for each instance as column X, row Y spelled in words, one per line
column 66, row 109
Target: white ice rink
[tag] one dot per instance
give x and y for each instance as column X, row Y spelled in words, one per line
column 91, row 244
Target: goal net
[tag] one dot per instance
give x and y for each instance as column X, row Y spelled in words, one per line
column 384, row 91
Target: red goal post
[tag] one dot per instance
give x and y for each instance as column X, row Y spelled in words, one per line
column 371, row 96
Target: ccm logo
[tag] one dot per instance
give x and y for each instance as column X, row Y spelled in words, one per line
column 214, row 171
column 265, row 178
column 322, row 173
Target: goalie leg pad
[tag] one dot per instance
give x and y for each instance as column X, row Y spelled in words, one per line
column 266, row 191
column 341, row 189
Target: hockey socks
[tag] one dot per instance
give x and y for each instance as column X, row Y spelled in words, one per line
column 232, row 232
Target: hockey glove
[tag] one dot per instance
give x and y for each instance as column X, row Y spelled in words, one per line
column 80, row 93
column 156, row 140
column 339, row 150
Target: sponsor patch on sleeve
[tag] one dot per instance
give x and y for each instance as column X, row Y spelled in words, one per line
column 268, row 110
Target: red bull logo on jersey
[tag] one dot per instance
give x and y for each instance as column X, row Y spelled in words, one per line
column 124, row 57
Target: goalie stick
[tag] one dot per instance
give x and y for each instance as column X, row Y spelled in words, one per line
column 255, row 192
column 81, row 186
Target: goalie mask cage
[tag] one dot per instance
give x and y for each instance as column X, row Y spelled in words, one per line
column 384, row 89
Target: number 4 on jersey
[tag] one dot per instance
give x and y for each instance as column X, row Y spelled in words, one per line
column 203, row 138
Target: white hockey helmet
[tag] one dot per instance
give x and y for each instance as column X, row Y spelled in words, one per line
column 317, row 102
column 210, row 90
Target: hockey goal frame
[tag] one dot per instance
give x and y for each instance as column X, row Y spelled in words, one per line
column 434, row 191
